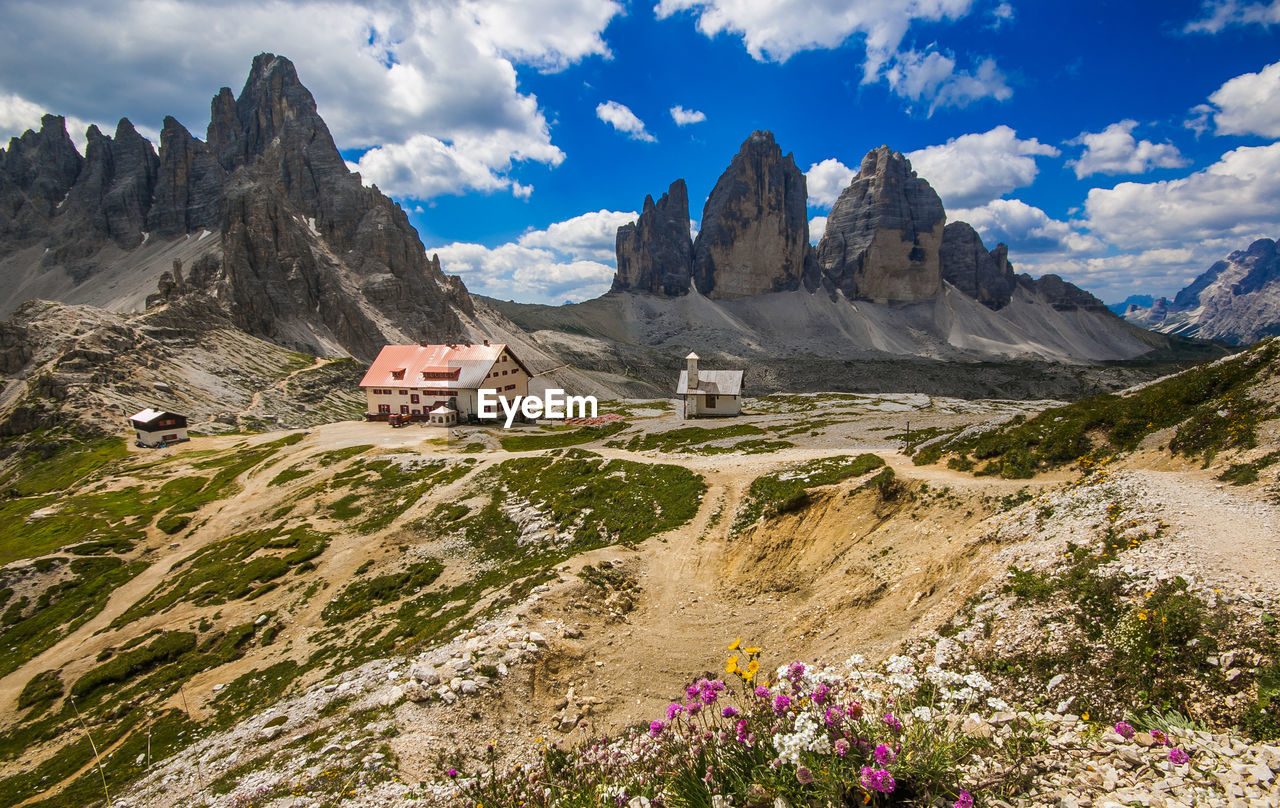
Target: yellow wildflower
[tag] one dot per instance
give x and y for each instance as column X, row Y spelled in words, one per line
column 731, row 666
column 733, row 646
column 753, row 650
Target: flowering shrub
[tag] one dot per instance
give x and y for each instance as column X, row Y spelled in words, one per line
column 812, row 735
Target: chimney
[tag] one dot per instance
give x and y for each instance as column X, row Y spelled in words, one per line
column 691, row 364
column 486, row 343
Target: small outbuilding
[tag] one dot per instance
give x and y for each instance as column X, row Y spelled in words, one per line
column 709, row 393
column 159, row 428
column 443, row 415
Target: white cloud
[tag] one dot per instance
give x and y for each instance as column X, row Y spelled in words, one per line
column 384, row 75
column 1115, row 151
column 826, row 180
column 570, row 260
column 512, row 272
column 1198, row 122
column 817, row 227
column 776, row 30
column 1157, row 272
column 1249, row 104
column 424, row 167
column 621, row 118
column 931, row 76
column 17, row 115
column 590, row 235
column 1002, row 15
column 974, row 169
column 1236, row 198
column 1221, row 14
column 1025, row 228
column 684, row 117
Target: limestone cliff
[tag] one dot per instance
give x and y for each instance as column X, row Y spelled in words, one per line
column 967, row 265
column 754, row 235
column 655, row 253
column 884, row 234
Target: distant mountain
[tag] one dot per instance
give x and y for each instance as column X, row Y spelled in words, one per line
column 1141, row 301
column 262, row 219
column 890, row 276
column 1237, row 300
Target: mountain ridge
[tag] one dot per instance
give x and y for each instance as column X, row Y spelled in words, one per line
column 1236, row 300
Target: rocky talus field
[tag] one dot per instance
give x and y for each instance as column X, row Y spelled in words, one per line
column 1009, row 603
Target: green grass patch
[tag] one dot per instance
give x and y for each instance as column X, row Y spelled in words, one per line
column 382, row 490
column 61, row 608
column 57, row 466
column 560, row 438
column 40, row 691
column 230, row 569
column 1209, row 406
column 290, row 474
column 690, row 439
column 603, row 501
column 1245, row 473
column 360, row 597
column 788, row 490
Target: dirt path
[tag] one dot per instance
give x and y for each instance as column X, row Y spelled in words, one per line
column 1229, row 536
column 256, row 398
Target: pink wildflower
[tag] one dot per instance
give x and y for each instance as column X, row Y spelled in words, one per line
column 1124, row 729
column 877, row 780
column 781, row 704
column 965, row 800
column 804, row 776
column 674, row 709
column 655, row 728
column 892, row 722
column 884, row 755
column 842, row 747
column 1177, row 757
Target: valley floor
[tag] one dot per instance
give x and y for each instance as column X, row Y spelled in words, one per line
column 363, row 670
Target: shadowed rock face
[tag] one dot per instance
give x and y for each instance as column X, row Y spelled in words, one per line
column 112, row 194
column 754, row 235
column 965, row 263
column 37, row 171
column 884, row 233
column 1062, row 295
column 190, row 185
column 655, row 253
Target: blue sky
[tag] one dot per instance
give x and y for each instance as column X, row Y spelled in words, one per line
column 1123, row 145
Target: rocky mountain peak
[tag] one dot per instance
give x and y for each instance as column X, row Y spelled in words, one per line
column 754, row 235
column 36, row 172
column 1236, row 300
column 884, row 233
column 273, row 104
column 967, row 265
column 655, row 253
column 189, row 185
column 303, row 255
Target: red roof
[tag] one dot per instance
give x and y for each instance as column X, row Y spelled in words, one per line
column 467, row 364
